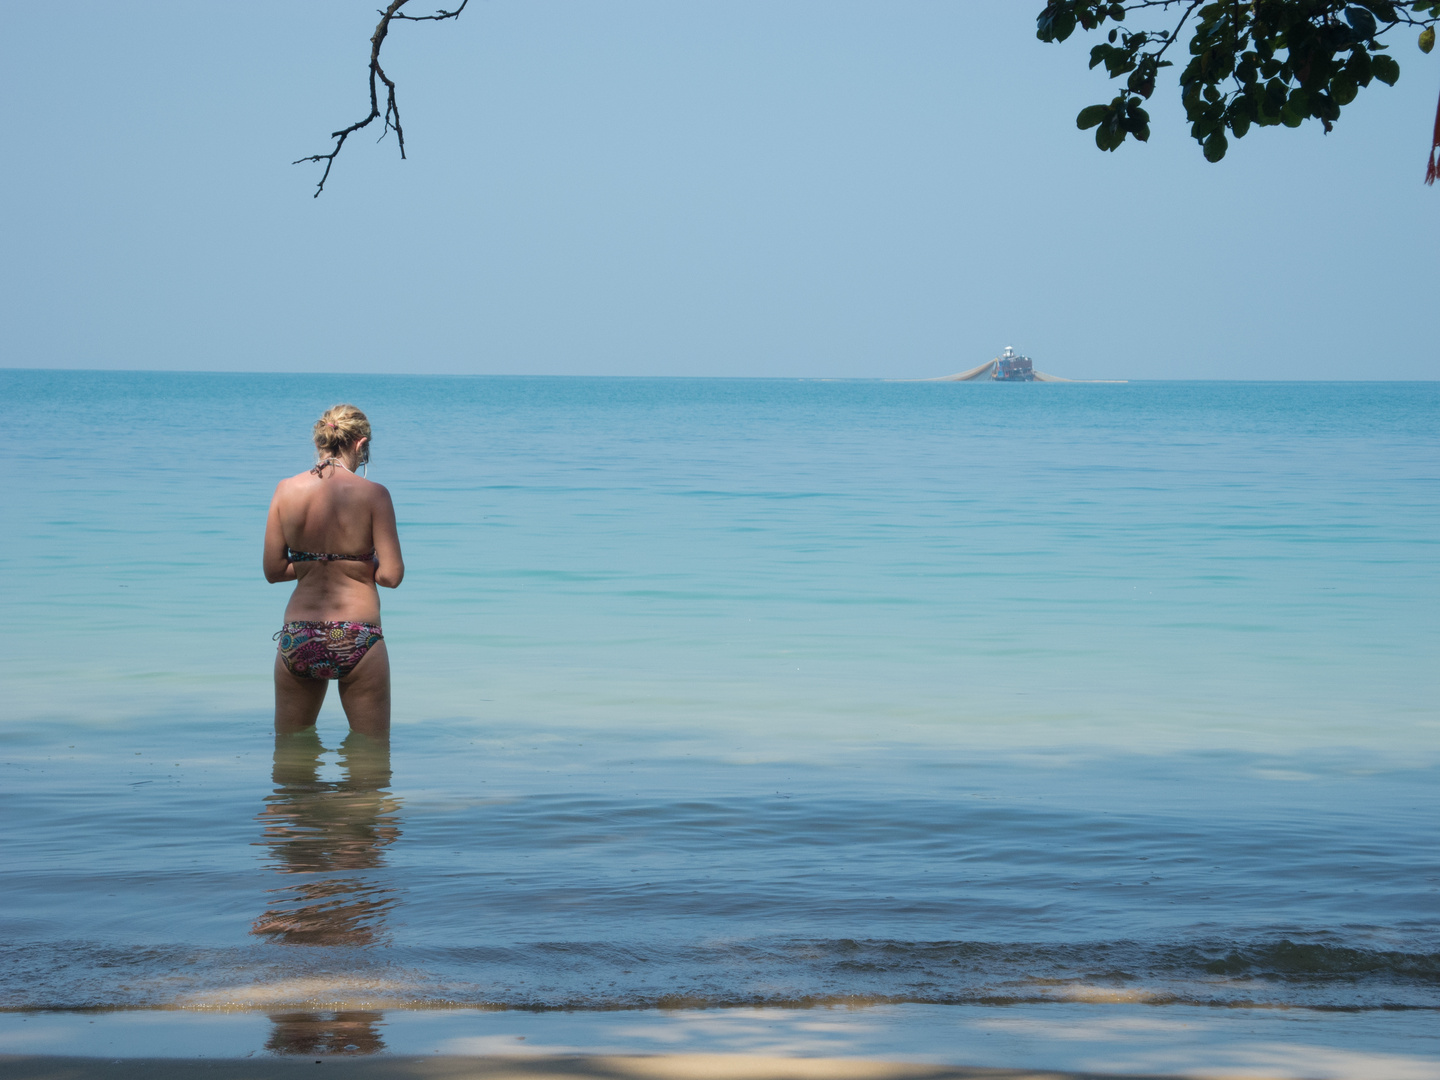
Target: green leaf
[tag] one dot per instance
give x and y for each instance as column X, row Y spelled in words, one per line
column 1109, row 134
column 1141, row 83
column 1343, row 88
column 1359, row 66
column 1215, row 147
column 1295, row 109
column 1053, row 25
column 1385, row 69
column 1091, row 115
column 1137, row 121
column 1427, row 39
column 1275, row 95
column 1242, row 114
column 1362, row 22
column 1323, row 107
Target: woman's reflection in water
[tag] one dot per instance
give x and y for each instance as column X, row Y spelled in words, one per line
column 349, row 1032
column 331, row 834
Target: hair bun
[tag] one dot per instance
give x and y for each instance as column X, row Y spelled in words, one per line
column 340, row 427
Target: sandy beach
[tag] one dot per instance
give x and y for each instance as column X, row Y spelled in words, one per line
column 569, row 1067
column 898, row 1042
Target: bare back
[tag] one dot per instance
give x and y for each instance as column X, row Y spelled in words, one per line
column 335, row 513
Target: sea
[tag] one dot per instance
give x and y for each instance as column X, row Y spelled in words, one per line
column 800, row 702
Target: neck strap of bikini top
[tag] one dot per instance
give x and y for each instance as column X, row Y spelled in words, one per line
column 319, row 470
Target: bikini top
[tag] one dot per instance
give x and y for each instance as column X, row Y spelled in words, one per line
column 325, row 556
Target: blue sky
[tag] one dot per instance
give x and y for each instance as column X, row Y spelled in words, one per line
column 770, row 188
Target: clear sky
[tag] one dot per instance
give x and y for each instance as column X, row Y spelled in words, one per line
column 713, row 187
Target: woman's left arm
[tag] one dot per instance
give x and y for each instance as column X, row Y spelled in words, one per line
column 389, row 566
column 276, row 560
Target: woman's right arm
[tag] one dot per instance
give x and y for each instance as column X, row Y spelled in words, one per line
column 276, row 560
column 389, row 566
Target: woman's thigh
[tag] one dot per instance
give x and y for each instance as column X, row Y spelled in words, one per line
column 365, row 693
column 297, row 700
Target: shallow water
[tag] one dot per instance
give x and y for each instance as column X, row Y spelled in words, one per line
column 721, row 692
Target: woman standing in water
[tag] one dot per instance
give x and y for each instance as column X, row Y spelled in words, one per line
column 333, row 534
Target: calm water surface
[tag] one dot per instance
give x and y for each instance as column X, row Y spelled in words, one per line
column 727, row 692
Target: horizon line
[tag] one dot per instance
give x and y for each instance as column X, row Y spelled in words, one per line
column 753, row 378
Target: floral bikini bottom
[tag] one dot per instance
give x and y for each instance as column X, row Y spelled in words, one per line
column 325, row 650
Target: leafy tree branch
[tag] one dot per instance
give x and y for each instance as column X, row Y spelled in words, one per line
column 1251, row 64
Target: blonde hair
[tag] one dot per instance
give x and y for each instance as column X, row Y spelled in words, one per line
column 338, row 427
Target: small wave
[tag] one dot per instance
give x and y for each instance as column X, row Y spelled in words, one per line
column 789, row 973
column 1289, row 959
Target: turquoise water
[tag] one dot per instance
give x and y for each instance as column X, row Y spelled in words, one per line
column 733, row 692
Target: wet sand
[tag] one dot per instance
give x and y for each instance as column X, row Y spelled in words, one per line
column 906, row 1042
column 568, row 1067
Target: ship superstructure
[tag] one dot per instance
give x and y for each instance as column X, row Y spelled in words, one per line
column 1010, row 366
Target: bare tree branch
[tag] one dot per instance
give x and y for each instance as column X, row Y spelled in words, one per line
column 390, row 118
column 439, row 15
